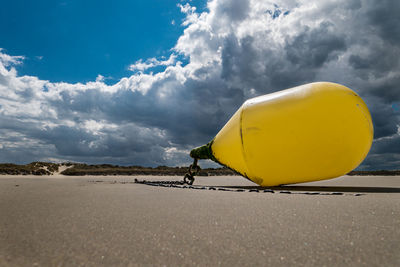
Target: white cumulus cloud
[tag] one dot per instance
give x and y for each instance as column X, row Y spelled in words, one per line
column 151, row 63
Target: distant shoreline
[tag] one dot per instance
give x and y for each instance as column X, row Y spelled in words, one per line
column 81, row 169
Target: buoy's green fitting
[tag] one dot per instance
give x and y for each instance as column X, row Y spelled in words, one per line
column 202, row 152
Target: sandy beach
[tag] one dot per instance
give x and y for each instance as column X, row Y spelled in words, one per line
column 92, row 221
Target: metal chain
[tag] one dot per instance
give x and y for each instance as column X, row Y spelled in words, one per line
column 180, row 184
column 188, row 179
column 194, row 169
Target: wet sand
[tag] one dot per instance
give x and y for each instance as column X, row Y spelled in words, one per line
column 92, row 221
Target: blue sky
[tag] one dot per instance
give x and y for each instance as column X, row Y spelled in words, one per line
column 74, row 41
column 119, row 83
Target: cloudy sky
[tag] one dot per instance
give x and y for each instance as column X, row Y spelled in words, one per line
column 143, row 82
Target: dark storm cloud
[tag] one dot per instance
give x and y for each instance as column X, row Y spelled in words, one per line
column 387, row 145
column 388, row 89
column 376, row 62
column 381, row 162
column 268, row 70
column 384, row 16
column 241, row 66
column 385, row 120
column 312, row 48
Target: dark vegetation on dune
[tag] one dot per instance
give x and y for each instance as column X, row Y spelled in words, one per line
column 34, row 168
column 80, row 169
column 376, row 173
column 107, row 169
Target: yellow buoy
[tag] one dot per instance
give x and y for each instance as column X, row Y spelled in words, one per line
column 307, row 133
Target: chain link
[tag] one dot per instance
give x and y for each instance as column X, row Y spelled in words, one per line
column 194, row 169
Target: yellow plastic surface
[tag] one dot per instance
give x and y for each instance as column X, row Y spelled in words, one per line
column 311, row 132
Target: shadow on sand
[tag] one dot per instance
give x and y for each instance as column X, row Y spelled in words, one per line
column 351, row 189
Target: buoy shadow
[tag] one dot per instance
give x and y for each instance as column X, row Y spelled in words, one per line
column 344, row 189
